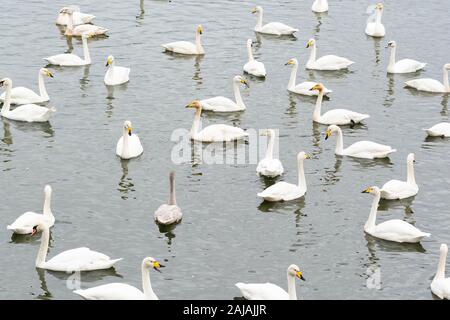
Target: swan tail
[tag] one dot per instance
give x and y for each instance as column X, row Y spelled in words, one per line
column 113, row 261
column 425, row 234
column 392, row 150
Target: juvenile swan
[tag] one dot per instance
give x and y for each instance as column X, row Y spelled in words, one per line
column 169, row 213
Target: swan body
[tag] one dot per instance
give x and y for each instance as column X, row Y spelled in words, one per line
column 79, row 30
column 115, row 75
column 303, row 88
column 320, row 6
column 123, row 291
column 169, row 213
column 26, row 112
column 253, row 67
column 328, row 62
column 185, row 47
column 440, row 285
column 129, row 145
column 396, row 189
column 269, row 166
column 270, row 291
column 274, row 28
column 431, row 85
column 360, row 149
column 404, row 65
column 222, row 104
column 22, row 95
column 24, row 224
column 79, row 259
column 78, row 17
column 283, row 191
column 72, row 60
column 374, row 26
column 392, row 230
column 336, row 116
column 215, row 132
column 439, row 130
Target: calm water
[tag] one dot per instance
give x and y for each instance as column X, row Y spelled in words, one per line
column 227, row 234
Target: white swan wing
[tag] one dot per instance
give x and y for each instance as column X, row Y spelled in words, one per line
column 368, row 150
column 441, row 288
column 396, row 189
column 426, row 84
column 22, row 95
column 408, row 65
column 255, row 68
column 183, row 47
column 88, row 28
column 375, row 30
column 120, row 75
column 320, row 6
column 168, row 214
column 134, row 147
column 332, row 62
column 342, row 117
column 30, row 113
column 65, row 59
column 277, row 28
column 282, row 191
column 220, row 104
column 270, row 167
column 439, row 130
column 24, row 223
column 220, row 132
column 112, row 291
column 398, row 230
column 262, row 291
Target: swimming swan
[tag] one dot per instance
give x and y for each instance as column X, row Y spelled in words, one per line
column 431, row 85
column 22, row 95
column 79, row 30
column 26, row 112
column 169, row 213
column 304, row 87
column 396, row 189
column 185, row 47
column 275, row 28
column 115, row 75
column 78, row 17
column 79, row 259
column 374, row 26
column 72, row 60
column 25, row 223
column 360, row 149
column 328, row 62
column 335, row 116
column 222, row 104
column 269, row 166
column 288, row 191
column 392, row 230
column 404, row 65
column 440, row 285
column 215, row 132
column 253, row 67
column 129, row 146
column 270, row 291
column 320, row 6
column 439, row 130
column 123, row 291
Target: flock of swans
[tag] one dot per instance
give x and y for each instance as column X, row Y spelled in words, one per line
column 129, row 146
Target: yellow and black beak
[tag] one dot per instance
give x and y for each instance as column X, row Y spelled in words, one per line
column 2, row 82
column 157, row 265
column 316, row 87
column 327, row 134
column 308, row 44
column 368, row 190
column 288, row 63
column 189, row 105
column 200, row 30
column 129, row 131
column 50, row 74
column 254, row 10
column 307, row 156
column 108, row 62
column 245, row 82
column 299, row 275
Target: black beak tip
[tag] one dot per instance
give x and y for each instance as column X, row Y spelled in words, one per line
column 157, row 269
column 302, row 278
column 129, row 133
column 326, row 137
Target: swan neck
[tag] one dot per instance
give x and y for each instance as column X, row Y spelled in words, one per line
column 291, row 287
column 373, row 213
column 440, row 273
column 87, row 56
column 198, row 43
column 146, row 283
column 301, row 175
column 445, row 80
column 7, row 101
column 378, row 17
column 42, row 90
column 270, row 143
column 196, row 123
column 259, row 21
column 172, row 198
column 237, row 94
column 249, row 52
column 318, row 108
column 293, row 77
column 339, row 143
column 42, row 253
column 312, row 55
column 410, row 179
column 392, row 57
column 125, row 142
column 47, row 201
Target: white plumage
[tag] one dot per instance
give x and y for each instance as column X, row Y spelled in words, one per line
column 274, row 28
column 253, row 67
column 328, row 62
column 396, row 189
column 129, row 145
column 115, row 75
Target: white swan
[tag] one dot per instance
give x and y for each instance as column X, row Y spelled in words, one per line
column 269, row 166
column 169, row 213
column 25, row 223
column 215, row 132
column 431, row 85
column 129, row 146
column 22, row 95
column 115, row 75
column 288, row 191
column 270, row 291
column 439, row 130
column 275, row 28
column 70, row 59
column 185, row 47
column 404, row 65
column 253, row 67
column 320, row 6
column 335, row 116
column 78, row 17
column 79, row 259
column 123, row 291
column 222, row 104
column 396, row 189
column 79, row 30
column 374, row 26
column 360, row 149
column 391, row 230
column 304, row 87
column 440, row 285
column 328, row 62
column 26, row 112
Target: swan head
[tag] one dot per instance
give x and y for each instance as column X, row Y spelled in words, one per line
column 6, row 82
column 150, row 262
column 391, row 44
column 46, row 72
column 291, row 62
column 256, row 9
column 127, row 127
column 68, row 10
column 87, row 35
column 372, row 190
column 48, row 190
column 294, row 270
column 319, row 87
column 410, row 158
column 310, row 43
column 302, row 156
column 330, row 130
column 199, row 29
column 240, row 79
column 379, row 6
column 249, row 43
column 195, row 105
column 447, row 66
column 41, row 226
column 268, row 132
column 110, row 60
column 443, row 249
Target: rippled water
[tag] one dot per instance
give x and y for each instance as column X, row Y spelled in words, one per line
column 227, row 234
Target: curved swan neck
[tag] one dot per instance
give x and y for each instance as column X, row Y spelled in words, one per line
column 318, row 107
column 312, row 55
column 301, row 175
column 339, row 150
column 42, row 90
column 260, row 19
column 410, row 178
column 373, row 212
column 378, row 17
column 270, row 142
column 249, row 51
column 198, row 43
column 392, row 57
column 440, row 273
column 47, row 210
column 196, row 123
column 172, row 198
column 293, row 77
column 7, row 101
column 42, row 253
column 69, row 29
column 445, row 80
column 146, row 284
column 87, row 56
column 237, row 94
column 291, row 287
column 125, row 149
